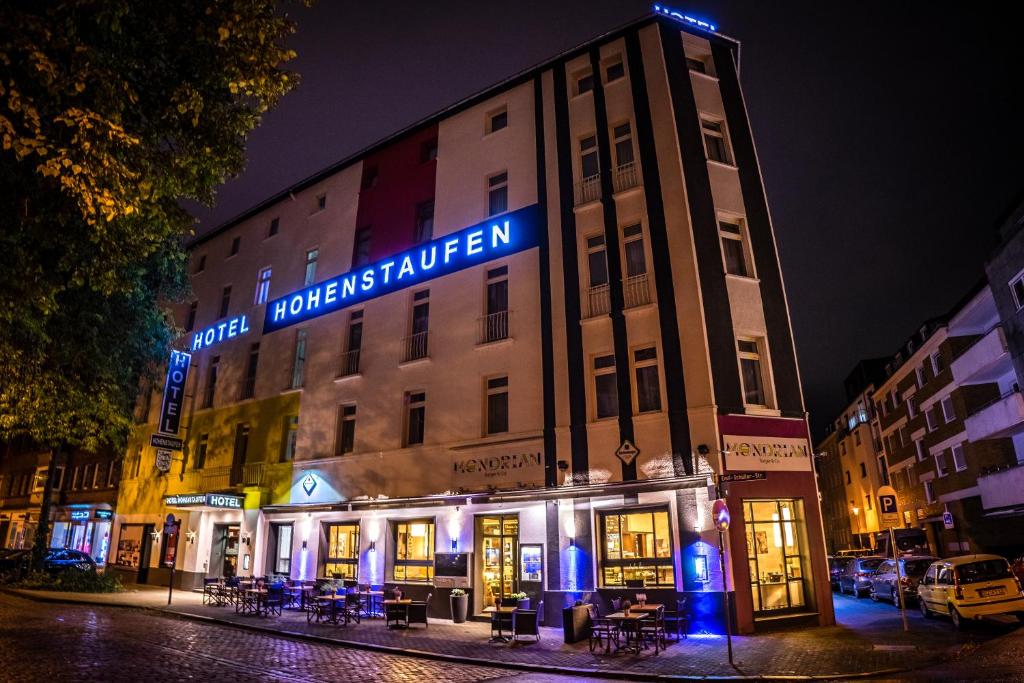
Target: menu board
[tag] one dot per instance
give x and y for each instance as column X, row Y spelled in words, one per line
column 531, row 558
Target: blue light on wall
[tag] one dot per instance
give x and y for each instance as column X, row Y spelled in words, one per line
column 494, row 238
column 685, row 18
column 219, row 332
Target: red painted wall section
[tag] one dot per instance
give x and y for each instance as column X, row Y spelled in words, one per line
column 744, row 425
column 403, row 181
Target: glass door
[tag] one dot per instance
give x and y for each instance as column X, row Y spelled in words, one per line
column 775, row 550
column 500, row 553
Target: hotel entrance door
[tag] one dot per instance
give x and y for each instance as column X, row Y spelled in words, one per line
column 224, row 551
column 499, row 539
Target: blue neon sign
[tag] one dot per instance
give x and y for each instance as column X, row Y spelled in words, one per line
column 494, row 238
column 685, row 18
column 232, row 327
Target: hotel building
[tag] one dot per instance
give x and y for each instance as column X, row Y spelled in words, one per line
column 508, row 347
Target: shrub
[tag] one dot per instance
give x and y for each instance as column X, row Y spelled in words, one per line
column 456, row 592
column 72, row 582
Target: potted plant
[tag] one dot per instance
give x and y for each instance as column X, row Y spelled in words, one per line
column 460, row 605
column 522, row 599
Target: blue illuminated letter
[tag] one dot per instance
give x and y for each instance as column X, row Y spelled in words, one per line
column 423, row 258
column 406, row 267
column 367, row 280
column 474, row 242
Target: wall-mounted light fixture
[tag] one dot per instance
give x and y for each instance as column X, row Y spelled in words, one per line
column 455, row 545
column 155, row 535
column 305, row 544
column 373, row 546
column 190, row 536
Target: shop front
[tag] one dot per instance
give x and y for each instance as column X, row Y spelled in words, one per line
column 86, row 528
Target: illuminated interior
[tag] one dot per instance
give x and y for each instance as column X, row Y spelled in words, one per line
column 637, row 548
column 414, row 550
column 342, row 551
column 776, row 553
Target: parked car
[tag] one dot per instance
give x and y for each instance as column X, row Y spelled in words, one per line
column 14, row 561
column 856, row 576
column 62, row 559
column 885, row 580
column 835, row 568
column 970, row 587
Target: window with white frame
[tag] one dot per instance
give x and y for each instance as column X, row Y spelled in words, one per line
column 941, row 466
column 911, row 407
column 415, row 417
column 716, row 143
column 497, row 405
column 262, row 286
column 919, row 449
column 931, row 419
column 734, row 251
column 597, row 264
column 623, row 144
column 589, row 166
column 633, row 248
column 948, row 413
column 1017, row 290
column 959, row 457
column 929, row 492
column 606, row 391
column 752, row 372
column 938, row 364
column 312, row 256
column 497, row 194
column 648, row 390
column 299, row 360
column 919, row 374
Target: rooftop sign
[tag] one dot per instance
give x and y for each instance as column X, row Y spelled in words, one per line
column 685, row 18
column 500, row 236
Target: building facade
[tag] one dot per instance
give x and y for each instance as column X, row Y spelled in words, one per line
column 509, row 348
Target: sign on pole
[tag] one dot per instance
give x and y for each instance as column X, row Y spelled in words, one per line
column 888, row 507
column 947, row 519
column 172, row 443
column 743, row 476
column 174, row 392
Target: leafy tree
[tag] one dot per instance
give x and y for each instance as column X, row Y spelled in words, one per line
column 111, row 113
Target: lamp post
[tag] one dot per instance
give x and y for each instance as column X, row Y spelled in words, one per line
column 856, row 515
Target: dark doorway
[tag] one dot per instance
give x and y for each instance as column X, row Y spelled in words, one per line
column 145, row 550
column 224, row 551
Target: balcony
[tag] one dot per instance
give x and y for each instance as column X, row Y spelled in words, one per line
column 635, row 291
column 348, row 364
column 598, row 301
column 625, row 177
column 493, row 327
column 213, row 479
column 414, row 347
column 588, row 190
column 1002, row 488
column 984, row 361
column 1001, row 418
column 263, row 473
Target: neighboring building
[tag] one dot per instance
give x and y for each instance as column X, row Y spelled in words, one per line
column 505, row 331
column 835, row 514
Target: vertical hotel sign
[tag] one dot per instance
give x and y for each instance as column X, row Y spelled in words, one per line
column 174, row 392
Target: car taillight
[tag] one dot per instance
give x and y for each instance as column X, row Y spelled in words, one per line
column 958, row 591
column 863, row 575
column 904, row 580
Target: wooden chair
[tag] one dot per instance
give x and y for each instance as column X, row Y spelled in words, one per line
column 396, row 616
column 652, row 629
column 677, row 621
column 418, row 611
column 352, row 608
column 603, row 631
column 526, row 622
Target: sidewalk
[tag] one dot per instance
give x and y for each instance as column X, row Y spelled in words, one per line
column 869, row 640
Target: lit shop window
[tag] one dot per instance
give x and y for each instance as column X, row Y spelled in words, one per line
column 282, row 537
column 776, row 538
column 342, row 551
column 716, row 145
column 414, row 550
column 636, row 549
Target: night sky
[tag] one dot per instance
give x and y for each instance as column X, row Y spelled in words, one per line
column 890, row 135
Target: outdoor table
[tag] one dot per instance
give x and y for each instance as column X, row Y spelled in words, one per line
column 372, row 597
column 334, row 600
column 252, row 601
column 630, row 625
column 404, row 602
column 501, row 637
column 300, row 592
column 646, row 607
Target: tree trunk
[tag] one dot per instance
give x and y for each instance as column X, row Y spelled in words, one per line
column 39, row 544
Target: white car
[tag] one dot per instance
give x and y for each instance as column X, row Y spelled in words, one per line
column 970, row 587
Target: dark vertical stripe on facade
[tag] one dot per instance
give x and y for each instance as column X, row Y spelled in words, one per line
column 553, row 547
column 544, row 264
column 571, row 286
column 672, row 361
column 704, row 224
column 612, row 254
column 762, row 242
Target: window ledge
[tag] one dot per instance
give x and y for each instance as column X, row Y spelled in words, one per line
column 342, row 378
column 649, row 416
column 491, row 134
column 292, row 390
column 496, row 342
column 761, row 410
column 416, row 361
column 627, row 191
column 578, row 208
column 643, row 307
column 700, row 74
column 722, row 164
column 743, row 278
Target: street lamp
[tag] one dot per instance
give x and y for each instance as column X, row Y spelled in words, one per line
column 856, row 514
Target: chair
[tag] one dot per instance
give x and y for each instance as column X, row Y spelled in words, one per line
column 418, row 611
column 352, row 607
column 603, row 631
column 396, row 616
column 509, row 602
column 652, row 629
column 501, row 622
column 231, row 589
column 526, row 622
column 677, row 621
column 211, row 592
column 273, row 603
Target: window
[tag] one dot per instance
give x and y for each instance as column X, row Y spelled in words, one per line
column 919, row 449
column 856, row 438
column 623, row 143
column 867, row 502
column 263, row 286
column 633, row 246
column 299, row 360
column 424, row 222
column 201, row 446
column 911, row 407
column 200, row 265
column 883, row 470
column 606, row 392
column 775, row 534
column 648, row 389
column 190, row 322
column 211, row 382
column 597, row 264
column 929, row 492
column 497, row 120
column 941, row 466
column 931, row 419
column 428, row 150
column 734, row 252
column 919, row 375
column 321, row 202
column 342, row 556
column 414, row 550
column 289, row 438
column 715, row 144
column 275, row 225
column 283, row 549
column 902, row 433
column 370, row 176
column 235, row 244
column 111, row 474
column 1017, row 289
column 312, row 255
column 848, row 480
column 751, row 372
column 416, row 344
column 497, row 194
column 863, row 471
column 225, row 301
column 589, row 167
column 249, row 385
column 614, row 71
column 698, row 65
column 584, row 83
column 636, row 548
column 497, row 405
column 496, row 320
column 361, row 248
column 959, row 458
column 415, row 417
column 345, row 436
column 947, row 409
column 241, row 450
column 350, row 357
column 938, row 364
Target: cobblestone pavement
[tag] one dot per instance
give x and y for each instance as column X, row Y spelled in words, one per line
column 52, row 642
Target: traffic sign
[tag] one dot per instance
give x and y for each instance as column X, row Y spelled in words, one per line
column 627, row 452
column 167, row 442
column 888, row 507
column 947, row 519
column 163, row 460
column 720, row 511
column 743, row 476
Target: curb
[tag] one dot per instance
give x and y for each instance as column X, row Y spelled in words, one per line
column 458, row 659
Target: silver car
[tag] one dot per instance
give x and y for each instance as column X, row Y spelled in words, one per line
column 884, row 581
column 856, row 576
